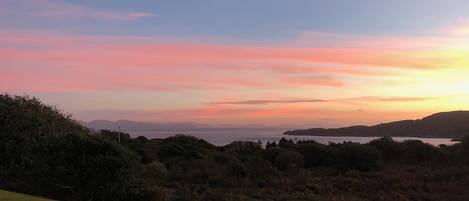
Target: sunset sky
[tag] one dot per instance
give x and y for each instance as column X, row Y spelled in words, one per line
column 300, row 63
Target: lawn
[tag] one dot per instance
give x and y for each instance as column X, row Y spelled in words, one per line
column 10, row 196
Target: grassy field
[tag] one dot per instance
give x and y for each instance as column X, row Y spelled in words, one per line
column 9, row 196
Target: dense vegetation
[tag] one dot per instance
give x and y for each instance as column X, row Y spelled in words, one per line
column 44, row 152
column 380, row 170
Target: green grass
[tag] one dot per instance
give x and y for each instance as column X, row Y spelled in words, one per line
column 10, row 196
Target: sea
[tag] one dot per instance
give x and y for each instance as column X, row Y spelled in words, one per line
column 224, row 136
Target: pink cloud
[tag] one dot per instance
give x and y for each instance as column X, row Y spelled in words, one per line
column 353, row 100
column 183, row 53
column 57, row 62
column 267, row 101
column 315, row 80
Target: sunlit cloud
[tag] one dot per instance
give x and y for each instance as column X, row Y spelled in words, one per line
column 315, row 81
column 341, row 100
column 115, row 63
column 267, row 101
column 386, row 75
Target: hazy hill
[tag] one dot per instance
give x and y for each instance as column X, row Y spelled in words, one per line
column 446, row 124
column 126, row 125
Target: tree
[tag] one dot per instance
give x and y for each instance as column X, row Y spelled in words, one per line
column 285, row 143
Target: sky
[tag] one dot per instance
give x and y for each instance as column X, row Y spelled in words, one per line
column 297, row 63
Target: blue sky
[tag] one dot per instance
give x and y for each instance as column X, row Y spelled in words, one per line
column 256, row 20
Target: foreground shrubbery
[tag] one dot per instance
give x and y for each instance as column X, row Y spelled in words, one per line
column 44, row 152
column 380, row 170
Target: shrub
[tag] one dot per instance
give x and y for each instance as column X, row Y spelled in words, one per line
column 390, row 148
column 465, row 144
column 358, row 157
column 259, row 169
column 44, row 152
column 289, row 161
column 155, row 172
column 316, row 154
column 243, row 147
column 184, row 147
column 418, row 152
column 138, row 145
column 114, row 136
column 236, row 169
column 271, row 154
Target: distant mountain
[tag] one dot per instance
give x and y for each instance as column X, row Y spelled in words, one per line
column 126, row 125
column 446, row 124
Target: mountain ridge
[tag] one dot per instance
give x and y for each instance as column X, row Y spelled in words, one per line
column 453, row 124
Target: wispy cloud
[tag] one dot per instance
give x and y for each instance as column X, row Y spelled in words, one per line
column 315, row 81
column 267, row 101
column 61, row 62
column 341, row 100
column 63, row 9
column 392, row 99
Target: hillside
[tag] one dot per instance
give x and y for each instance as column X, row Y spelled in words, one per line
column 446, row 124
column 45, row 152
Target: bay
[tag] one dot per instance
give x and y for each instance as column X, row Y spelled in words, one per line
column 224, row 136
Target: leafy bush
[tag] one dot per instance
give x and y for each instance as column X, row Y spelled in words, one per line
column 465, row 144
column 358, row 157
column 289, row 161
column 271, row 154
column 390, row 148
column 236, row 169
column 138, row 145
column 241, row 147
column 316, row 155
column 259, row 169
column 155, row 172
column 44, row 152
column 418, row 152
column 182, row 146
column 114, row 136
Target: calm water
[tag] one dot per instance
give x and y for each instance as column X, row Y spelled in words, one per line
column 222, row 137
